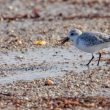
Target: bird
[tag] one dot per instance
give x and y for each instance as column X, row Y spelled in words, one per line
column 89, row 42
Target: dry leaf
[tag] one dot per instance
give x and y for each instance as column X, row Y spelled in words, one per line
column 39, row 42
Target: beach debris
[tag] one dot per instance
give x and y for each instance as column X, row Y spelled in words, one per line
column 39, row 42
column 49, row 82
column 108, row 61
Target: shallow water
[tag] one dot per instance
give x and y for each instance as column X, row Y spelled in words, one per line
column 43, row 62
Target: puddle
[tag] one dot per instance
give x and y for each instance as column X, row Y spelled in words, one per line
column 43, row 62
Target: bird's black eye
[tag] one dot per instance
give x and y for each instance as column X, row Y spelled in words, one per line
column 72, row 34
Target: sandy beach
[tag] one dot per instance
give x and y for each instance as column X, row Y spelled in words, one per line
column 52, row 76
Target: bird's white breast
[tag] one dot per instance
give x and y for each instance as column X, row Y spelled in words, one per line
column 92, row 49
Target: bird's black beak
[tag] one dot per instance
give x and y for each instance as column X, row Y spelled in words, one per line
column 66, row 39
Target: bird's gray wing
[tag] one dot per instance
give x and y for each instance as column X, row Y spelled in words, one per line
column 93, row 38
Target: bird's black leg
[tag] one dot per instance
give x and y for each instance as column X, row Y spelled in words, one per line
column 99, row 59
column 90, row 60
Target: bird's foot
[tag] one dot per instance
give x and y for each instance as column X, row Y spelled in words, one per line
column 87, row 65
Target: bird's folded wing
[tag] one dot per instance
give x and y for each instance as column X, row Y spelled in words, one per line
column 93, row 38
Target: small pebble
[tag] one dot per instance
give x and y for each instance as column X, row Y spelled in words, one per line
column 49, row 82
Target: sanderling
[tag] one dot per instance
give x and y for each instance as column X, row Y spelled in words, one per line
column 88, row 41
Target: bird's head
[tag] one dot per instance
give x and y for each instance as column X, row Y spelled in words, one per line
column 72, row 35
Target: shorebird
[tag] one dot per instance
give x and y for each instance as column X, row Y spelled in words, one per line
column 89, row 42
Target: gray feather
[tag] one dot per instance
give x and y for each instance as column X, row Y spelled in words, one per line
column 93, row 38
